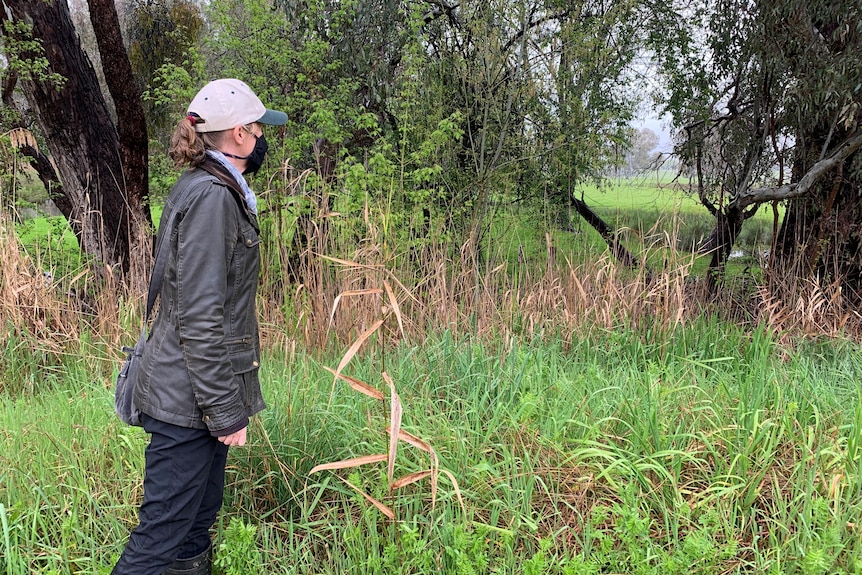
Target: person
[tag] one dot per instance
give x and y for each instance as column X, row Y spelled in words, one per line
column 199, row 384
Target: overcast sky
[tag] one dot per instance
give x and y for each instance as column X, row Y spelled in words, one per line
column 662, row 130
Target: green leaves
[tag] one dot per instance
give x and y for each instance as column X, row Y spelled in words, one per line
column 25, row 54
column 237, row 554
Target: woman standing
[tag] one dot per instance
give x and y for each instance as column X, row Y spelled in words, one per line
column 199, row 383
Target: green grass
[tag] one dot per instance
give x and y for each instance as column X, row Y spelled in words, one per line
column 641, row 203
column 51, row 244
column 706, row 450
column 642, row 193
column 652, row 216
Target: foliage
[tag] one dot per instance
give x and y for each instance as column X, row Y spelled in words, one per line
column 163, row 176
column 19, row 186
column 237, row 553
column 593, row 94
column 433, row 115
column 162, row 42
column 170, row 89
column 25, row 54
column 758, row 115
column 286, row 66
column 447, row 104
column 50, row 243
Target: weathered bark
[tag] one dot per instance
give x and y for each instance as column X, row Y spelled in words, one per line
column 81, row 137
column 719, row 244
column 810, row 219
column 38, row 160
column 820, row 234
column 806, row 181
column 132, row 131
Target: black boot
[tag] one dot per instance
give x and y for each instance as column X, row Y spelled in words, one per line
column 197, row 565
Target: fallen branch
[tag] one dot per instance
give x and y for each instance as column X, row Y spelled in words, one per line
column 611, row 237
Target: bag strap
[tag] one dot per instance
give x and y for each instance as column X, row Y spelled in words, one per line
column 161, row 259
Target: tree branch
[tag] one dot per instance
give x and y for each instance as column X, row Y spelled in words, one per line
column 611, row 237
column 532, row 24
column 802, row 187
column 439, row 9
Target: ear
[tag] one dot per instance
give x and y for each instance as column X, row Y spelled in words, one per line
column 238, row 134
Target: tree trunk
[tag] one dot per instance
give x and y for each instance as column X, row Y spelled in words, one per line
column 103, row 209
column 820, row 234
column 611, row 237
column 728, row 224
column 132, row 131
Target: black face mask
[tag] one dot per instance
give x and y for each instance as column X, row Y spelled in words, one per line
column 255, row 159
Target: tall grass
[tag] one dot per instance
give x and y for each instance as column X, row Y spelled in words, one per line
column 712, row 452
column 53, row 311
column 523, row 278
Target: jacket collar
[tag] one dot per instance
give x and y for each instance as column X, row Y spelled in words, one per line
column 211, row 166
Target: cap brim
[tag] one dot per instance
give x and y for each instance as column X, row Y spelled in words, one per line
column 273, row 118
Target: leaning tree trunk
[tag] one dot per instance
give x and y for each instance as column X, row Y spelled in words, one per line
column 99, row 196
column 610, row 236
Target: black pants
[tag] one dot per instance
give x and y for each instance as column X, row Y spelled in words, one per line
column 183, row 492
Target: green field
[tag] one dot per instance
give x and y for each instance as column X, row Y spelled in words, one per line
column 657, row 221
column 644, row 194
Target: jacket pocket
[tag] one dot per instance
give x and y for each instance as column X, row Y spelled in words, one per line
column 250, row 236
column 244, row 360
column 245, row 366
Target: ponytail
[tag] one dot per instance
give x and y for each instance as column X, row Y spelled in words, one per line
column 188, row 147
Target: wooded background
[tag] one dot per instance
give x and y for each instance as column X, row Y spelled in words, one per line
column 467, row 106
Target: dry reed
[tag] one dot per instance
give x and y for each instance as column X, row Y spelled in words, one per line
column 341, row 288
column 29, row 303
column 499, row 302
column 45, row 315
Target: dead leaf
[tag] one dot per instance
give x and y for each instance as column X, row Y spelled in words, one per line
column 350, row 293
column 410, row 478
column 351, row 352
column 394, row 302
column 358, row 385
column 348, row 463
column 396, row 411
column 383, row 509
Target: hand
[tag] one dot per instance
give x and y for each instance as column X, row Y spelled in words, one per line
column 234, row 439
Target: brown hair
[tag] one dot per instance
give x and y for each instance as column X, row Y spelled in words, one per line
column 188, row 147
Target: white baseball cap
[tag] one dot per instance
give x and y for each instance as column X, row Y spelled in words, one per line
column 228, row 102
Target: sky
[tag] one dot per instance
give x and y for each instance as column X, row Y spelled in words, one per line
column 662, row 129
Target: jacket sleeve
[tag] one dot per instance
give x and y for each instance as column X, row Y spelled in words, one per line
column 206, row 240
